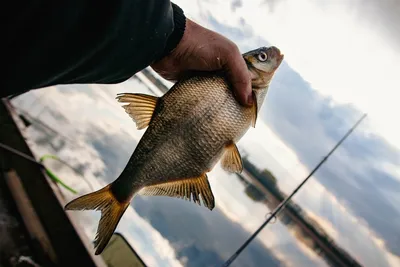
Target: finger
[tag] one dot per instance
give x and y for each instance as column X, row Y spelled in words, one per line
column 239, row 76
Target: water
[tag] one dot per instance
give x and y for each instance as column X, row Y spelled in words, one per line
column 95, row 135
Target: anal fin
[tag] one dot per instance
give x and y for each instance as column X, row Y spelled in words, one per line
column 140, row 107
column 196, row 187
column 231, row 160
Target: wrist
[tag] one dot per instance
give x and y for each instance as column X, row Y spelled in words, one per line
column 177, row 34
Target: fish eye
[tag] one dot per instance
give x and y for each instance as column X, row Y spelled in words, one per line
column 262, row 57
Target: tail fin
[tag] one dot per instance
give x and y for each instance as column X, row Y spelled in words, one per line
column 111, row 212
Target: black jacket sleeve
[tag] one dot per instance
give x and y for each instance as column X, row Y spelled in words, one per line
column 83, row 41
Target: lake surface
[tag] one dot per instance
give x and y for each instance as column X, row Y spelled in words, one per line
column 91, row 131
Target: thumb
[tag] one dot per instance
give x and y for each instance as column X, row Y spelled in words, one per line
column 240, row 78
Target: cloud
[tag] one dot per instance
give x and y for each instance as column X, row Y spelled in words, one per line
column 311, row 126
column 204, row 237
column 353, row 172
column 236, row 4
column 155, row 249
column 382, row 16
column 332, row 54
column 233, row 202
column 311, row 123
column 305, row 118
column 272, row 4
column 105, row 146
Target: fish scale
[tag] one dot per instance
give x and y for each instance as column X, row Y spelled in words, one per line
column 189, row 129
column 214, row 123
column 185, row 139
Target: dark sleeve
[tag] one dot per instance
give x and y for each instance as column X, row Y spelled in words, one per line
column 51, row 42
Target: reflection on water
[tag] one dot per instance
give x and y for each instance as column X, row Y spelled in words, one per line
column 194, row 236
column 261, row 186
column 87, row 128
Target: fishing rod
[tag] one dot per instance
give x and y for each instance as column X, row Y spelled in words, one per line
column 287, row 199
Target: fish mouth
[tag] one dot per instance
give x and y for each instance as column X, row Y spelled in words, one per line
column 274, row 52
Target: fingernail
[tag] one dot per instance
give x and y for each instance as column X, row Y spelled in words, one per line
column 250, row 100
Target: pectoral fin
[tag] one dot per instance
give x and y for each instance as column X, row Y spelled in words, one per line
column 231, row 160
column 194, row 187
column 140, row 107
column 255, row 111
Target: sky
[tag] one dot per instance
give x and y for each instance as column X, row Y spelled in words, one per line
column 103, row 148
column 344, row 49
column 104, row 145
column 344, row 55
column 340, row 61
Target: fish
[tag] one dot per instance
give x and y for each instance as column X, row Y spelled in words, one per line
column 193, row 126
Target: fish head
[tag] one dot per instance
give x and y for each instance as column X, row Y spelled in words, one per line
column 262, row 64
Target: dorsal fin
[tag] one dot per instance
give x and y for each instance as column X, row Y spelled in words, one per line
column 186, row 188
column 231, row 160
column 140, row 107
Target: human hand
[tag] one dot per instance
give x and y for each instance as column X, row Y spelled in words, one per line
column 204, row 50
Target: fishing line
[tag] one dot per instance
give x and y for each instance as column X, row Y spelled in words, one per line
column 51, row 174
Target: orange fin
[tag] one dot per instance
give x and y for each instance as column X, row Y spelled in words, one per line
column 231, row 160
column 255, row 111
column 186, row 188
column 111, row 213
column 140, row 107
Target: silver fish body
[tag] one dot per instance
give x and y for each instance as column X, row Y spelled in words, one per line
column 192, row 124
column 190, row 128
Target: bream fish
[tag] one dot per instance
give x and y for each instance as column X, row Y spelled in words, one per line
column 189, row 129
